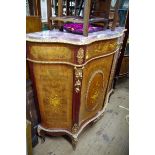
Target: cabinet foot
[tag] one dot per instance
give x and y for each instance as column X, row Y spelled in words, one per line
column 42, row 139
column 41, row 135
column 74, row 143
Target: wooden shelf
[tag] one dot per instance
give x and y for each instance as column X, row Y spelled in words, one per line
column 74, row 19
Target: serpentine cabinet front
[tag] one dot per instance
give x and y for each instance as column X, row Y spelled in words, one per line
column 72, row 83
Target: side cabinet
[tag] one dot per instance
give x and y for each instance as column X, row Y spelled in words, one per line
column 71, row 83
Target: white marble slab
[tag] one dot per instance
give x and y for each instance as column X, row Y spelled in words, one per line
column 56, row 36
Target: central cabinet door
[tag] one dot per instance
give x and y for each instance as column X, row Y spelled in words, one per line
column 54, row 84
column 95, row 80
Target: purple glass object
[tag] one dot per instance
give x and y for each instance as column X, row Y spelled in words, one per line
column 78, row 28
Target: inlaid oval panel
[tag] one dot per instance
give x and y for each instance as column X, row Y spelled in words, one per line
column 94, row 95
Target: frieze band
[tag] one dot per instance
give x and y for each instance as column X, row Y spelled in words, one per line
column 69, row 63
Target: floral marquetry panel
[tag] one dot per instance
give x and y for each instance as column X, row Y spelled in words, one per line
column 55, row 52
column 54, row 90
column 101, row 47
column 94, row 84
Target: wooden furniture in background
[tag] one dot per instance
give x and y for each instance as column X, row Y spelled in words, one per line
column 49, row 13
column 31, row 112
column 27, row 72
column 33, row 24
column 102, row 8
column 122, row 51
column 115, row 19
column 34, row 7
column 72, row 77
column 31, row 8
column 37, row 9
column 28, row 138
column 86, row 16
column 124, row 70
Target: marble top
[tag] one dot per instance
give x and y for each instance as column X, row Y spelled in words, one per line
column 56, row 36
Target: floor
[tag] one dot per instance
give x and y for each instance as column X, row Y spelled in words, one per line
column 109, row 136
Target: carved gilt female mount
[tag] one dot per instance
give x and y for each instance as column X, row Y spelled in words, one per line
column 78, row 79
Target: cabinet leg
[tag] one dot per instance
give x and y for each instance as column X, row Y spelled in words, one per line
column 42, row 139
column 74, row 143
column 41, row 135
column 92, row 123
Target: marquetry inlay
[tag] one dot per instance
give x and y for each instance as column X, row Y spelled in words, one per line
column 53, row 53
column 101, row 47
column 55, row 103
column 94, row 90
